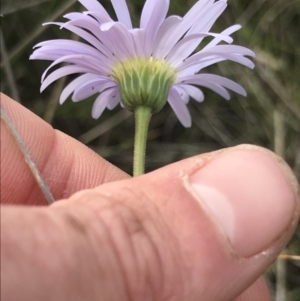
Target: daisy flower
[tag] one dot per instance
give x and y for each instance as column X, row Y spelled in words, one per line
column 143, row 68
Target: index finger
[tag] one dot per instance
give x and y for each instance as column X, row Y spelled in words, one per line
column 66, row 165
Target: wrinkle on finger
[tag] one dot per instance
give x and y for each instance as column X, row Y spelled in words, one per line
column 134, row 243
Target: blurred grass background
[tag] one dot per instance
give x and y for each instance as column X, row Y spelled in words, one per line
column 269, row 116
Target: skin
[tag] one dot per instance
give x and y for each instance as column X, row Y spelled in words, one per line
column 109, row 232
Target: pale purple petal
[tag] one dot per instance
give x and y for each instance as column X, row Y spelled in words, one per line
column 63, row 71
column 108, row 38
column 239, row 59
column 164, row 31
column 153, row 15
column 216, row 88
column 64, row 47
column 73, row 16
column 114, row 102
column 231, row 49
column 122, row 12
column 98, row 16
column 89, row 24
column 94, row 5
column 215, row 52
column 92, row 87
column 102, row 101
column 69, row 89
column 198, row 57
column 198, row 79
column 81, row 33
column 187, row 22
column 107, row 26
column 139, row 36
column 151, row 8
column 193, row 92
column 94, row 65
column 208, row 17
column 49, row 54
column 207, row 84
column 193, row 68
column 179, row 108
column 183, row 94
column 187, row 45
column 118, row 32
column 227, row 31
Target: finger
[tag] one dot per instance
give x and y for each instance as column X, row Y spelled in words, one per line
column 66, row 165
column 247, row 193
column 258, row 291
column 206, row 227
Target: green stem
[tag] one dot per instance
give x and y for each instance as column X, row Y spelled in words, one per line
column 142, row 119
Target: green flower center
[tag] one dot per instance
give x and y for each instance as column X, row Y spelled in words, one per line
column 144, row 82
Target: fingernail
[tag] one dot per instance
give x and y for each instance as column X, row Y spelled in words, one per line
column 246, row 192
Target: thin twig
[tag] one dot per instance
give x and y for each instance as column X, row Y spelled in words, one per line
column 37, row 175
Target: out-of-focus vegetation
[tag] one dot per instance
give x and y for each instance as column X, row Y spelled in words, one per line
column 269, row 116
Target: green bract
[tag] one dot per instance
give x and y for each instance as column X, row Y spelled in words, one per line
column 144, row 82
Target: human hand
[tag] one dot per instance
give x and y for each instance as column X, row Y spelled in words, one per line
column 204, row 228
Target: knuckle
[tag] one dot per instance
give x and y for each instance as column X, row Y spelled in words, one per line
column 131, row 246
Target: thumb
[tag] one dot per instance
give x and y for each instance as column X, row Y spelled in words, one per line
column 206, row 227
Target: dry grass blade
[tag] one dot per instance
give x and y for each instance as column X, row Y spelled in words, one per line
column 279, row 91
column 105, row 126
column 289, row 257
column 37, row 175
column 14, row 6
column 8, row 70
column 281, row 290
column 31, row 36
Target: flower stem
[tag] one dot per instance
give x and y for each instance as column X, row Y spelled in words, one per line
column 142, row 119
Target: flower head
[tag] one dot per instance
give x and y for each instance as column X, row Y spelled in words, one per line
column 146, row 66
